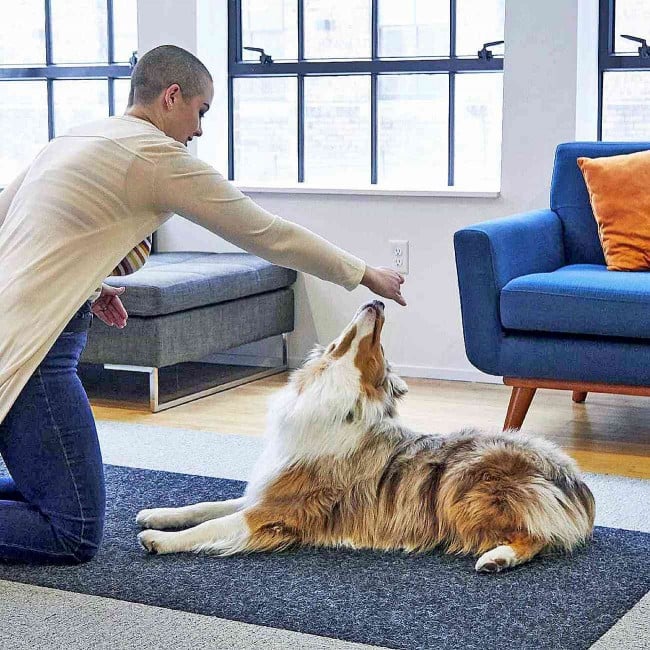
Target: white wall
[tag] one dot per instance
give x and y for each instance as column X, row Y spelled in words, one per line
column 540, row 110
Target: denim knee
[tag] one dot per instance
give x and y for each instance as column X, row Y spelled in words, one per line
column 78, row 545
column 85, row 553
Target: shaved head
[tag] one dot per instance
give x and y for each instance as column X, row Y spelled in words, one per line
column 163, row 66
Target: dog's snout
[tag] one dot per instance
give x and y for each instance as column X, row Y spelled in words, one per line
column 376, row 305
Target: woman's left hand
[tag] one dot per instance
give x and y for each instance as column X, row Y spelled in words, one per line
column 109, row 308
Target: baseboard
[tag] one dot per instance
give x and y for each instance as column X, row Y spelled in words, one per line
column 424, row 372
column 450, row 374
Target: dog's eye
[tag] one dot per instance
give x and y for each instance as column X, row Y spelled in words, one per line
column 349, row 417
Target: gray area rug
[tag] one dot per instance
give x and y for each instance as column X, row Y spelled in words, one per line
column 391, row 600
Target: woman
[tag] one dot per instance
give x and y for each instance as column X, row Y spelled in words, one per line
column 66, row 222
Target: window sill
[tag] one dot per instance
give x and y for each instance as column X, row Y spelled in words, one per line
column 448, row 192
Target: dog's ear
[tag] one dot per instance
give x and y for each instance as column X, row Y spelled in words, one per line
column 316, row 353
column 396, row 386
column 354, row 413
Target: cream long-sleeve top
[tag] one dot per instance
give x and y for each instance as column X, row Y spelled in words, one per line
column 93, row 194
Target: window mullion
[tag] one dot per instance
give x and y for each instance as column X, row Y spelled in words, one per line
column 111, row 96
column 605, row 51
column 451, row 125
column 300, row 122
column 373, row 129
column 48, row 62
column 451, row 150
column 374, row 31
column 234, row 55
column 110, row 31
column 301, row 30
column 301, row 128
column 231, row 129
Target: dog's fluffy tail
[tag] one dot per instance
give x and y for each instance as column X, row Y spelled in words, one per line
column 503, row 491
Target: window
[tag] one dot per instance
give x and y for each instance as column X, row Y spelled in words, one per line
column 344, row 93
column 624, row 70
column 62, row 62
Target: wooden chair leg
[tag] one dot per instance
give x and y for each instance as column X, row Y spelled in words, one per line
column 579, row 396
column 520, row 400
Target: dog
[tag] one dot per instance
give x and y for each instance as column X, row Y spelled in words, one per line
column 340, row 470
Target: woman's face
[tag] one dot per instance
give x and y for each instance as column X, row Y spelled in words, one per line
column 183, row 117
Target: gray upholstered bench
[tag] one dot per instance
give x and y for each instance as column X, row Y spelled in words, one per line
column 184, row 307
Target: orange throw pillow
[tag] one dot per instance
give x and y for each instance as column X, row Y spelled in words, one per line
column 619, row 190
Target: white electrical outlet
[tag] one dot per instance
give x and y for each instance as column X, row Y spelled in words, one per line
column 399, row 255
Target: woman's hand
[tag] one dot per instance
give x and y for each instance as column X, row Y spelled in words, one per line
column 109, row 308
column 384, row 282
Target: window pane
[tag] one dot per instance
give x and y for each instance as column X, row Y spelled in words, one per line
column 76, row 102
column 22, row 32
column 478, row 22
column 265, row 130
column 79, row 31
column 479, row 108
column 632, row 18
column 121, row 88
column 413, row 28
column 125, row 29
column 271, row 25
column 337, row 130
column 337, row 29
column 23, row 123
column 626, row 106
column 413, row 130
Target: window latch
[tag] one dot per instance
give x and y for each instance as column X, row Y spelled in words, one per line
column 644, row 50
column 486, row 54
column 264, row 58
column 134, row 59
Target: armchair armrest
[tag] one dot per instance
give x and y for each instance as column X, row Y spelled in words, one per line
column 488, row 256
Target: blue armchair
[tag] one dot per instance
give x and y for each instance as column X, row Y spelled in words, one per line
column 539, row 306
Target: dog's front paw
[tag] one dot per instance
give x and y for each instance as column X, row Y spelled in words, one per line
column 154, row 518
column 153, row 541
column 496, row 560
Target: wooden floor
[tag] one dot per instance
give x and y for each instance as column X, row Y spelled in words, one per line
column 609, row 434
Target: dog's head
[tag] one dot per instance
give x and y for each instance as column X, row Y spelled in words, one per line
column 351, row 377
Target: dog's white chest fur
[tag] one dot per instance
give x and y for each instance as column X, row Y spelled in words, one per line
column 302, row 428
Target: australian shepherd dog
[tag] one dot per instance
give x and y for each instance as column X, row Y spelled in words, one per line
column 340, row 469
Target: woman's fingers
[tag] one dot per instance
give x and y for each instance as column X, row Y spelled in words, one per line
column 116, row 312
column 111, row 312
column 116, row 303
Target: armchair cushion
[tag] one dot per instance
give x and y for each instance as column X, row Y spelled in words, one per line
column 579, row 299
column 619, row 190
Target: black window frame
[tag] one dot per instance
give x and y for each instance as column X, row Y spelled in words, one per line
column 51, row 72
column 299, row 69
column 608, row 61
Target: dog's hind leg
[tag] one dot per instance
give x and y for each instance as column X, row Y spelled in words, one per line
column 161, row 518
column 519, row 549
column 219, row 536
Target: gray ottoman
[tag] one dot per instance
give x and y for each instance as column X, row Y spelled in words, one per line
column 184, row 307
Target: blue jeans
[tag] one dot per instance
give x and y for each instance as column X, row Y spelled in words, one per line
column 52, row 507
